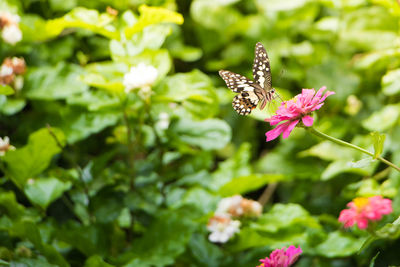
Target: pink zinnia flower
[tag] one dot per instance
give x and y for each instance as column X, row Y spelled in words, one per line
column 290, row 112
column 362, row 210
column 281, row 257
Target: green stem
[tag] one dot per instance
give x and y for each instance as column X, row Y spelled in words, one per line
column 343, row 143
column 131, row 145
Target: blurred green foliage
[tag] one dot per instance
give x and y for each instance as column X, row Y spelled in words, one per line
column 105, row 178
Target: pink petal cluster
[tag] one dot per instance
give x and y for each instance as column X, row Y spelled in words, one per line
column 292, row 111
column 281, row 257
column 362, row 210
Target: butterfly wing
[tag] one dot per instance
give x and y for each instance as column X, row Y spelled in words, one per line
column 261, row 68
column 247, row 98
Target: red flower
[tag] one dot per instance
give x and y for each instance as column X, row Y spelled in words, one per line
column 292, row 111
column 362, row 210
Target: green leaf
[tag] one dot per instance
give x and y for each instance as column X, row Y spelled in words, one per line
column 371, row 187
column 341, row 166
column 29, row 230
column 78, row 124
column 93, row 239
column 32, row 159
column 244, row 184
column 204, row 251
column 43, row 191
column 207, row 134
column 276, row 5
column 96, row 261
column 383, row 119
column 10, row 206
column 249, row 238
column 390, row 230
column 390, row 84
column 153, row 15
column 55, row 82
column 151, row 37
column 179, row 197
column 94, row 100
column 12, row 106
column 236, row 166
column 339, row 244
column 327, row 150
column 372, row 263
column 6, row 90
column 26, row 262
column 193, row 91
column 148, row 253
column 357, row 31
column 378, row 140
column 82, row 18
column 283, row 216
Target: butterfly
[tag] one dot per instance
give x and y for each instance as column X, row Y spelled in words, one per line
column 251, row 92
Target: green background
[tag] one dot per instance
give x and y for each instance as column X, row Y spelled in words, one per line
column 96, row 181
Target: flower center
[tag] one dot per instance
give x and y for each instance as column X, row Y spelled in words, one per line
column 360, row 202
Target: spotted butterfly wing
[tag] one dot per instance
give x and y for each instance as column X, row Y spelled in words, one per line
column 247, row 99
column 261, row 68
column 251, row 92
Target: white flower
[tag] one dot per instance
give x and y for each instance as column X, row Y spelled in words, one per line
column 11, row 34
column 6, row 70
column 255, row 208
column 238, row 206
column 5, row 145
column 230, row 205
column 16, row 61
column 222, row 228
column 163, row 121
column 139, row 77
column 9, row 18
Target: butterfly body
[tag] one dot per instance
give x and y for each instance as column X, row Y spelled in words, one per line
column 250, row 93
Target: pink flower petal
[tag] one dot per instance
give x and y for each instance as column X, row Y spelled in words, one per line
column 290, row 112
column 362, row 224
column 328, row 93
column 363, row 210
column 274, row 133
column 289, row 128
column 307, row 120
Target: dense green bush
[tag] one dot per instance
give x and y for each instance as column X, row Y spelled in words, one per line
column 105, row 174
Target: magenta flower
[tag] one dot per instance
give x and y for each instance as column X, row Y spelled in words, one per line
column 362, row 210
column 281, row 257
column 292, row 111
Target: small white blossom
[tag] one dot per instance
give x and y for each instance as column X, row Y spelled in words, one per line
column 238, row 206
column 255, row 208
column 5, row 145
column 230, row 205
column 6, row 70
column 9, row 18
column 222, row 228
column 16, row 61
column 11, row 34
column 141, row 76
column 163, row 121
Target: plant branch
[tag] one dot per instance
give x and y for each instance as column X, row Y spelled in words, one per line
column 267, row 194
column 344, row 143
column 131, row 148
